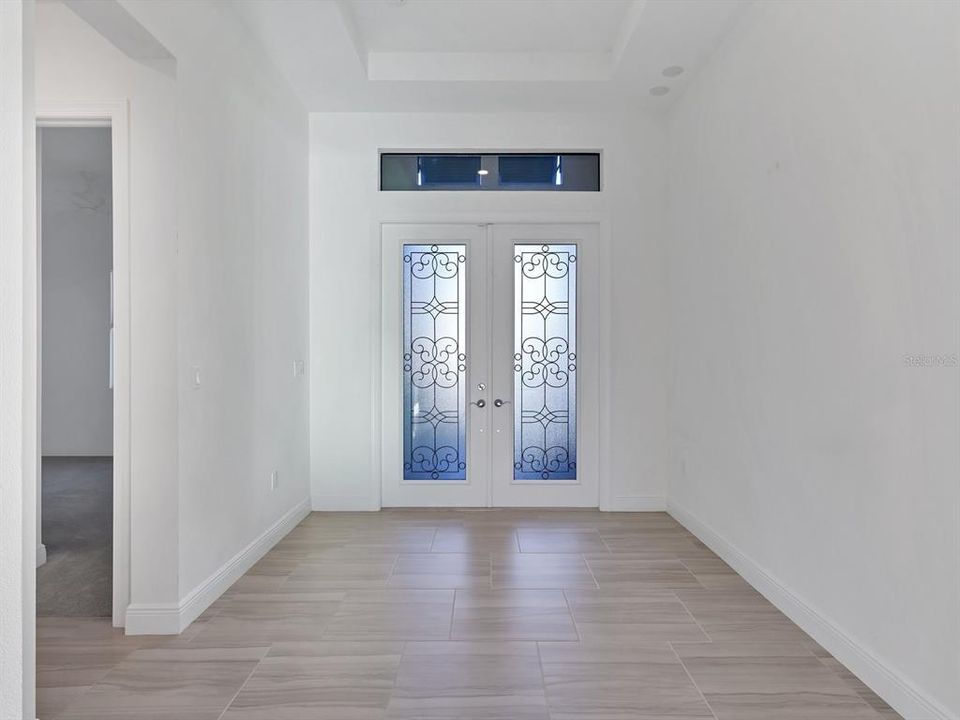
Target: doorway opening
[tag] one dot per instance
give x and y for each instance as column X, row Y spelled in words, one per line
column 490, row 369
column 83, row 506
column 75, row 221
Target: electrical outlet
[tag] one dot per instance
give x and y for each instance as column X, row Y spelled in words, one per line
column 298, row 368
column 274, row 480
column 196, row 378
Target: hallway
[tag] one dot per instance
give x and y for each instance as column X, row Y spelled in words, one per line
column 467, row 615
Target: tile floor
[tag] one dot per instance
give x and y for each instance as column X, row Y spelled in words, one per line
column 475, row 615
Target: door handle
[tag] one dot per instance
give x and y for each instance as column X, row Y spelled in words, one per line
column 481, row 403
column 500, row 403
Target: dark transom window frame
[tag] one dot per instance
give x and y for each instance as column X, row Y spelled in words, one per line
column 577, row 171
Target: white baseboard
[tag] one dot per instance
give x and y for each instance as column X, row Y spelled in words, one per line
column 360, row 503
column 41, row 554
column 637, row 503
column 152, row 619
column 344, row 503
column 899, row 692
column 173, row 618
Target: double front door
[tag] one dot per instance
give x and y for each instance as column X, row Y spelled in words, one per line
column 489, row 365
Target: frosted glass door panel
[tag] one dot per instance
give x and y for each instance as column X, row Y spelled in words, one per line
column 490, row 357
column 545, row 362
column 434, row 362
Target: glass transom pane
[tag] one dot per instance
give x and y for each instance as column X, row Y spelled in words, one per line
column 448, row 170
column 530, row 170
column 434, row 362
column 545, row 362
column 490, row 172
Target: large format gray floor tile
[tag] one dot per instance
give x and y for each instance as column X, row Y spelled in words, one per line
column 434, row 614
column 630, row 616
column 756, row 681
column 195, row 684
column 512, row 614
column 539, row 570
column 561, row 540
column 302, row 681
column 77, row 652
column 469, row 681
column 869, row 696
column 631, row 573
column 460, row 539
column 271, row 617
column 393, row 614
column 441, row 570
column 738, row 615
column 616, row 682
column 338, row 572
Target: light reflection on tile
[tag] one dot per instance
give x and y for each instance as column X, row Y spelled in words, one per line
column 436, row 614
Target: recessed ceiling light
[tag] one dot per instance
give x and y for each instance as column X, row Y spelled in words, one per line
column 483, row 172
column 659, row 90
column 672, row 71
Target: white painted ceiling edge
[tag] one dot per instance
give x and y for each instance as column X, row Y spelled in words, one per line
column 118, row 26
column 337, row 60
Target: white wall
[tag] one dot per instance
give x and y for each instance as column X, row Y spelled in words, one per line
column 345, row 212
column 76, row 248
column 242, row 285
column 76, row 64
column 18, row 353
column 218, row 167
column 814, row 195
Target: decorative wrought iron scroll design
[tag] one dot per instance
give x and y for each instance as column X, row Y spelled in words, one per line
column 545, row 362
column 434, row 362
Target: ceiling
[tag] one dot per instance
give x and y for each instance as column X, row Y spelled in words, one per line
column 488, row 25
column 487, row 55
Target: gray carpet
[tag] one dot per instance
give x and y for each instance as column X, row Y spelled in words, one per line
column 77, row 528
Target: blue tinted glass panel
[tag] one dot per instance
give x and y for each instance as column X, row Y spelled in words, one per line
column 449, row 170
column 490, row 172
column 530, row 170
column 545, row 362
column 434, row 362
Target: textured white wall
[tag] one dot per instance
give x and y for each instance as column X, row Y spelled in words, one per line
column 815, row 202
column 218, row 167
column 76, row 256
column 76, row 64
column 346, row 210
column 241, row 293
column 18, row 357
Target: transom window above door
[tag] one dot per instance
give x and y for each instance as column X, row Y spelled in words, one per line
column 545, row 171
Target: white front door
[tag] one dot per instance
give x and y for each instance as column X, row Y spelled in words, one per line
column 490, row 365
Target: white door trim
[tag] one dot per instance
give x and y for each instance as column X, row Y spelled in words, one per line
column 538, row 217
column 116, row 115
column 395, row 491
column 584, row 491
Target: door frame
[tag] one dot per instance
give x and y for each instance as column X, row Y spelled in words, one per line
column 449, row 493
column 538, row 217
column 586, row 486
column 115, row 115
